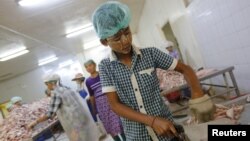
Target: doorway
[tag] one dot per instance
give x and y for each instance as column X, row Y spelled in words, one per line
column 169, row 35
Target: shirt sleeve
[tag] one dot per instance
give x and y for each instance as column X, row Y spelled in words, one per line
column 91, row 92
column 55, row 103
column 106, row 80
column 163, row 60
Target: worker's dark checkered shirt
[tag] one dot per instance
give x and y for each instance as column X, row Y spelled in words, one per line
column 55, row 103
column 138, row 88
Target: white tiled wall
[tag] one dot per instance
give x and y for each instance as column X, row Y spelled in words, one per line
column 30, row 85
column 222, row 29
column 155, row 14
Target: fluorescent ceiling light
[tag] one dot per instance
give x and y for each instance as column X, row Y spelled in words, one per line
column 66, row 63
column 12, row 51
column 14, row 55
column 80, row 30
column 32, row 2
column 47, row 60
column 91, row 44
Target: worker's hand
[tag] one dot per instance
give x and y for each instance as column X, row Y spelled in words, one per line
column 163, row 127
column 202, row 108
column 32, row 125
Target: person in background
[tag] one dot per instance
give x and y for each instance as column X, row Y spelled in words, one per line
column 79, row 79
column 100, row 104
column 172, row 52
column 129, row 80
column 16, row 101
column 70, row 110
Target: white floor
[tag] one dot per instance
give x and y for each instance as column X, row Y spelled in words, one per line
column 63, row 137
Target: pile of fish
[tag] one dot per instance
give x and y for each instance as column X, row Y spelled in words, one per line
column 169, row 79
column 13, row 127
column 231, row 112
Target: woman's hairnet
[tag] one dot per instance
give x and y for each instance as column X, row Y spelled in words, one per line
column 89, row 62
column 16, row 99
column 109, row 18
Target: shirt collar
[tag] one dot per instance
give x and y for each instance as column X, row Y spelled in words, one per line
column 135, row 49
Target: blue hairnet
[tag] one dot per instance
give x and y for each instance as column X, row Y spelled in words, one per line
column 16, row 99
column 109, row 18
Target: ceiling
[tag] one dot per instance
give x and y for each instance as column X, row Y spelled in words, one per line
column 42, row 30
